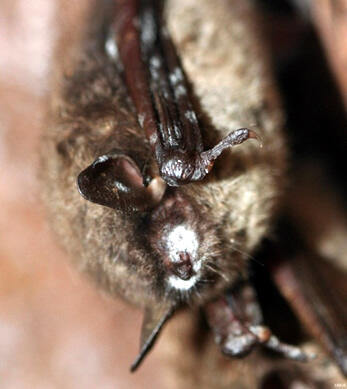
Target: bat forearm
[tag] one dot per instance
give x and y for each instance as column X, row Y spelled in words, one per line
column 160, row 93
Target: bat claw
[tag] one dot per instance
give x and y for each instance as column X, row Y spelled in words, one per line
column 233, row 139
column 254, row 135
column 238, row 332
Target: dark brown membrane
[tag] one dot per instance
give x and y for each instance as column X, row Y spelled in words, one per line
column 158, row 87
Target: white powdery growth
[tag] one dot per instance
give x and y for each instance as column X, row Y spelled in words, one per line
column 111, row 48
column 176, row 76
column 177, row 283
column 180, row 91
column 154, row 65
column 141, row 119
column 182, row 239
column 155, row 62
column 148, row 28
column 153, row 138
column 101, row 159
column 121, row 187
column 190, row 115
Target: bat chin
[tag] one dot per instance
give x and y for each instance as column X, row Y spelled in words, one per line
column 182, row 285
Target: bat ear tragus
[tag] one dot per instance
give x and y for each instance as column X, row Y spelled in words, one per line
column 114, row 180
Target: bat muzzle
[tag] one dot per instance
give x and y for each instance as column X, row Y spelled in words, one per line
column 183, row 268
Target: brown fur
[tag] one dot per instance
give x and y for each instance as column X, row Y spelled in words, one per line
column 90, row 114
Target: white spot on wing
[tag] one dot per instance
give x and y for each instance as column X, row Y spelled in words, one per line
column 176, row 76
column 153, row 138
column 177, row 131
column 141, row 119
column 148, row 28
column 120, row 186
column 180, row 91
column 190, row 115
column 155, row 62
column 154, row 65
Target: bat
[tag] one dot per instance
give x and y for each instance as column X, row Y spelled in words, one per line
column 162, row 229
column 153, row 72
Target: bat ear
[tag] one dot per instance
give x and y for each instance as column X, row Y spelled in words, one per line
column 153, row 321
column 114, row 180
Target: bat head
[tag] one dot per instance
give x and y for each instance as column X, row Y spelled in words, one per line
column 175, row 246
column 173, row 233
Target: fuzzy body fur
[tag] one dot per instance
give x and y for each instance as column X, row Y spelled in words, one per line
column 90, row 113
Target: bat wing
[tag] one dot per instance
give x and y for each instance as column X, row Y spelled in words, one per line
column 317, row 291
column 153, row 321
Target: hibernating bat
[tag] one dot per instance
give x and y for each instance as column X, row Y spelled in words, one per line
column 137, row 129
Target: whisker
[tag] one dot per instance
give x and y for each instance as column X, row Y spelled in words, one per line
column 197, row 293
column 247, row 255
column 205, row 281
column 218, row 272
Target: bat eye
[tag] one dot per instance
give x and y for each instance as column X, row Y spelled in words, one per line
column 114, row 180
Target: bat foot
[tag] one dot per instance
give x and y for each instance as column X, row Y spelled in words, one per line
column 233, row 139
column 236, row 324
column 289, row 351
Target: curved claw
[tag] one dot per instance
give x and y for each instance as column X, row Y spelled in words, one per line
column 254, row 135
column 181, row 168
column 234, row 138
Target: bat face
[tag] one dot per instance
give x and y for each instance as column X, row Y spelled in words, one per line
column 177, row 241
column 140, row 235
column 179, row 247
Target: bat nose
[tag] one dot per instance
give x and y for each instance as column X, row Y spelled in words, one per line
column 183, row 268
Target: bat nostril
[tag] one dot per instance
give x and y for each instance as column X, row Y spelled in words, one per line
column 184, row 257
column 183, row 268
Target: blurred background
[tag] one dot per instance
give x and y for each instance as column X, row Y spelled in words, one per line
column 56, row 329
